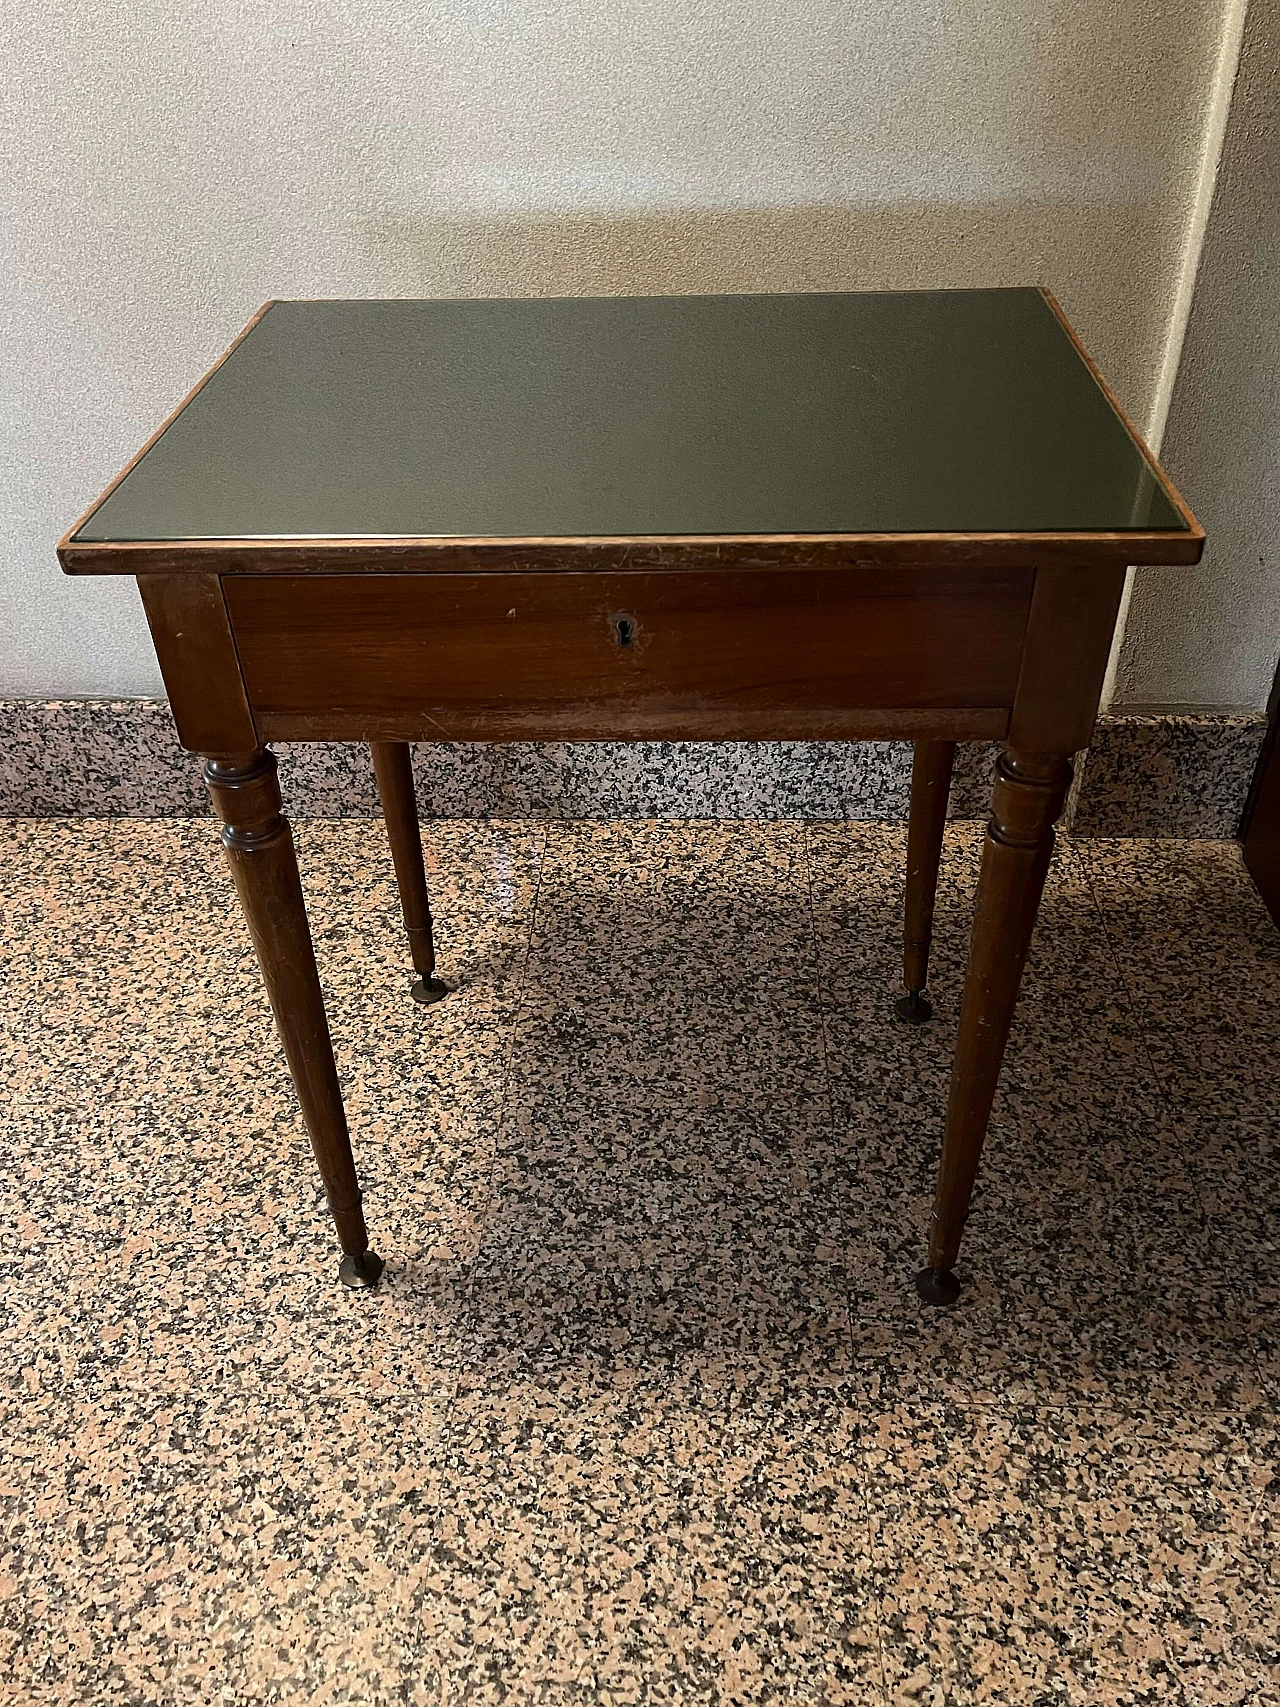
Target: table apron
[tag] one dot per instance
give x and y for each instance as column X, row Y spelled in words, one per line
column 846, row 653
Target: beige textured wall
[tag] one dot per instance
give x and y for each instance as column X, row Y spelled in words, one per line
column 170, row 165
column 1211, row 636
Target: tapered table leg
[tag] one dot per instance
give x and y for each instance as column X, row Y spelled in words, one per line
column 930, row 789
column 259, row 847
column 1029, row 793
column 393, row 767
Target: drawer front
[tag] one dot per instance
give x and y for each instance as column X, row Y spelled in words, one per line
column 747, row 655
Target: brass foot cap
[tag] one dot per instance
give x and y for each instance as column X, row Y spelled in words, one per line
column 364, row 1270
column 429, row 990
column 938, row 1286
column 914, row 1008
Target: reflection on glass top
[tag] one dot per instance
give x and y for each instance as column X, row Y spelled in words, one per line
column 891, row 412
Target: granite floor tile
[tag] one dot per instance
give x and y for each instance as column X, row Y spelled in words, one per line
column 1088, row 1272
column 552, row 1124
column 205, row 1425
column 719, row 1057
column 269, row 1589
column 1202, row 959
column 673, row 964
column 1050, row 1076
column 1068, row 1556
column 1237, row 1169
column 653, row 1230
column 646, row 1409
column 1237, row 1172
column 204, row 1473
column 1073, row 1010
column 559, row 1282
column 615, row 1538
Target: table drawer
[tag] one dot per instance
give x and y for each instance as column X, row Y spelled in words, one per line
column 796, row 654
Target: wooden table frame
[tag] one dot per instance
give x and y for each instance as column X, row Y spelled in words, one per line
column 936, row 638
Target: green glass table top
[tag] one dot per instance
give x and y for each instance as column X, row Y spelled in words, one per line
column 888, row 412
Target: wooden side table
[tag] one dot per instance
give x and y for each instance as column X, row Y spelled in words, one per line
column 867, row 516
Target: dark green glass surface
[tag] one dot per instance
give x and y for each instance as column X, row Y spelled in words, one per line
column 896, row 412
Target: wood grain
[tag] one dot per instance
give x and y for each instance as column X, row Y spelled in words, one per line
column 542, row 657
column 1029, row 793
column 192, row 635
column 704, row 552
column 931, row 767
column 1069, row 634
column 260, row 852
column 393, row 767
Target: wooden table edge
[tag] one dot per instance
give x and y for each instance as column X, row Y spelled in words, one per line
column 392, row 553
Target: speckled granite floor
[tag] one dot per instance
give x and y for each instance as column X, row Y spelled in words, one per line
column 646, row 1410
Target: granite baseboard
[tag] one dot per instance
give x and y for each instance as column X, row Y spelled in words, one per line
column 1168, row 774
column 1145, row 775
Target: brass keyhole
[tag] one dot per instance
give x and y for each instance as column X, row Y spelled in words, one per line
column 625, row 629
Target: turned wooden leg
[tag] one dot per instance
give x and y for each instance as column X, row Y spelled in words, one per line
column 930, row 789
column 260, row 853
column 393, row 768
column 1030, row 790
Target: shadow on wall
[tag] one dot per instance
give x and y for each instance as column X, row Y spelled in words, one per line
column 1113, row 265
